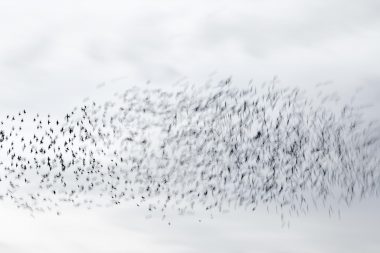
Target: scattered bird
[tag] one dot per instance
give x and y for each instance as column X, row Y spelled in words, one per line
column 213, row 148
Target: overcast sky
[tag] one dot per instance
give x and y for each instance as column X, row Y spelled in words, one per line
column 55, row 53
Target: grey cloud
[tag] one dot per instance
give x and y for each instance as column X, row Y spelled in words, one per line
column 52, row 56
column 280, row 25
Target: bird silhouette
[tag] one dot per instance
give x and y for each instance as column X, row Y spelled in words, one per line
column 191, row 148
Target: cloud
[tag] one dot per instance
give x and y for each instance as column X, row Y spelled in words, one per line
column 53, row 54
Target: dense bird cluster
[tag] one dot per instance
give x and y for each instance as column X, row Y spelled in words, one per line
column 213, row 148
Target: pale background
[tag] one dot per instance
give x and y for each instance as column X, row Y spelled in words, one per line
column 55, row 53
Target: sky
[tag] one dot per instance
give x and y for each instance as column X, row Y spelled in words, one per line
column 53, row 54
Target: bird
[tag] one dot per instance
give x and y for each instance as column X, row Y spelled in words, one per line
column 195, row 148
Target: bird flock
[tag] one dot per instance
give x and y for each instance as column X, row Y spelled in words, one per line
column 189, row 148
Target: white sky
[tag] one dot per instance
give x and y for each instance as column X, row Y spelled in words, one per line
column 54, row 53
